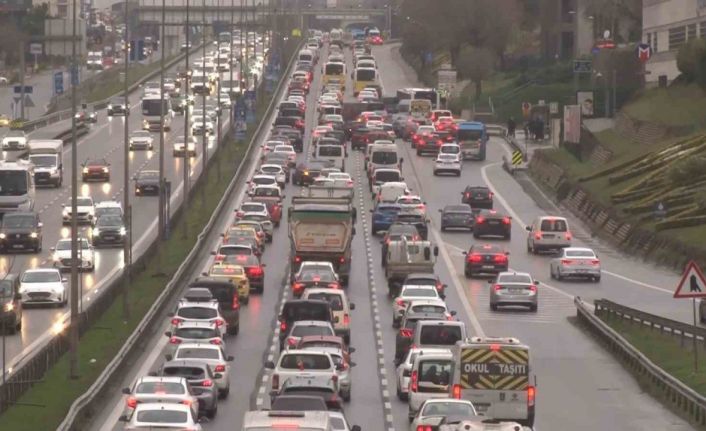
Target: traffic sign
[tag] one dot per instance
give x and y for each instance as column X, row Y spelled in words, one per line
column 18, row 89
column 692, row 284
column 644, row 52
column 75, row 75
column 517, row 157
column 59, row 83
column 583, row 66
column 35, row 48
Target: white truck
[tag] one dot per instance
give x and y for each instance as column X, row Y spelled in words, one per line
column 94, row 60
column 494, row 374
column 16, row 186
column 46, row 156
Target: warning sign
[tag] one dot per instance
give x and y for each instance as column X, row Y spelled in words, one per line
column 692, row 284
column 517, row 157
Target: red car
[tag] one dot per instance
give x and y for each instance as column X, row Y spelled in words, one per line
column 96, row 169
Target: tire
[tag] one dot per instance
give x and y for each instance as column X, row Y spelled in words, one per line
column 508, row 236
column 246, row 300
column 597, row 279
column 224, row 394
column 419, row 153
column 443, row 228
column 212, row 413
column 533, row 308
column 346, row 395
column 12, row 330
column 435, row 174
column 476, row 235
column 231, row 330
column 236, row 331
column 551, row 272
column 467, row 272
column 559, row 277
column 494, row 307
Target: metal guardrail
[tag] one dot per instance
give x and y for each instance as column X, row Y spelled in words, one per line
column 178, row 280
column 608, row 309
column 670, row 390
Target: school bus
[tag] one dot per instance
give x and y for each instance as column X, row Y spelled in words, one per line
column 364, row 77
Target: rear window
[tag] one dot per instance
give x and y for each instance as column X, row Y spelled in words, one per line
column 304, row 331
column 334, row 300
column 171, row 388
column 435, row 371
column 579, row 253
column 556, row 225
column 425, row 293
column 196, row 333
column 197, row 353
column 330, row 151
column 306, row 311
column 514, row 278
column 428, row 309
column 384, row 157
column 187, row 372
column 387, row 176
column 197, row 313
column 305, row 362
column 445, row 335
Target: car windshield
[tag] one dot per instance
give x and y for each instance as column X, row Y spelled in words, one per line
column 148, row 175
column 419, row 292
column 41, row 277
column 428, row 308
column 553, row 225
column 162, row 416
column 487, row 249
column 251, row 207
column 323, row 275
column 65, row 244
column 305, row 362
column 197, row 313
column 334, row 300
column 171, row 388
column 330, row 151
column 514, row 278
column 579, row 253
column 13, row 182
column 18, row 221
column 267, row 192
column 42, row 161
column 271, row 169
column 307, row 330
column 448, row 409
column 109, row 220
column 196, row 333
column 384, row 157
column 82, row 202
column 387, row 176
column 197, row 353
column 6, row 289
column 420, row 281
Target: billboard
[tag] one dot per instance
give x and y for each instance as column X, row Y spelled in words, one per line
column 585, row 101
column 572, row 124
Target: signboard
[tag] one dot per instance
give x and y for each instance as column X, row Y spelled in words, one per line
column 29, row 103
column 516, row 157
column 692, row 284
column 446, row 77
column 644, row 52
column 553, row 108
column 35, row 48
column 572, row 124
column 17, row 89
column 296, row 32
column 585, row 101
column 345, row 17
column 58, row 83
column 583, row 66
column 75, row 78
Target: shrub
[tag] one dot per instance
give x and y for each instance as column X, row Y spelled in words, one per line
column 687, row 170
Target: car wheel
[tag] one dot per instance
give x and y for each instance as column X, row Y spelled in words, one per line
column 212, row 412
column 494, row 307
column 529, row 249
column 419, row 153
column 508, row 236
column 246, row 300
column 399, row 394
column 597, row 279
column 12, row 330
column 558, row 275
column 533, row 308
column 476, row 235
column 232, row 330
column 346, row 395
column 551, row 272
column 467, row 272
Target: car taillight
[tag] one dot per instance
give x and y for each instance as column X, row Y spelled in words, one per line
column 292, row 342
column 346, row 319
column 275, row 382
column 480, row 220
column 219, row 258
column 239, row 213
column 415, row 137
column 439, row 287
column 334, row 378
column 533, row 288
column 400, row 302
column 334, row 286
column 219, row 368
column 297, row 287
column 531, row 393
column 186, row 402
column 174, row 340
column 439, row 142
column 500, row 258
column 176, row 321
column 219, row 322
column 216, row 341
column 568, row 236
column 475, row 258
column 497, row 287
column 468, row 195
column 456, row 392
column 207, row 383
column 566, row 261
column 282, row 326
column 342, row 259
column 537, row 235
column 506, row 220
column 424, row 428
column 254, row 271
column 414, row 381
column 297, row 259
column 132, row 402
column 236, row 303
column 406, row 333
column 595, row 262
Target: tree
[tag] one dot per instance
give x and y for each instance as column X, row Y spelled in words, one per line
column 476, row 64
column 689, row 57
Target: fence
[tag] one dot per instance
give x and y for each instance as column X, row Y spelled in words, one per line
column 673, row 392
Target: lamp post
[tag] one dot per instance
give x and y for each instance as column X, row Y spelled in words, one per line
column 73, row 332
column 127, row 245
column 162, row 188
column 204, row 151
column 187, row 109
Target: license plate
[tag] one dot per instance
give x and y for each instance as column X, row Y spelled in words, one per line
column 110, row 238
column 18, row 246
column 581, row 271
column 549, row 235
column 515, row 291
column 493, row 222
column 488, row 267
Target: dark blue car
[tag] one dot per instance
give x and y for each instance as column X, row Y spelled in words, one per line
column 383, row 216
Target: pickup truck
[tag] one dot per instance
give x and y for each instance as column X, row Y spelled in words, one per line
column 407, row 256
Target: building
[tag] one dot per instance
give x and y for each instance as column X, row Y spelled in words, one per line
column 666, row 25
column 567, row 30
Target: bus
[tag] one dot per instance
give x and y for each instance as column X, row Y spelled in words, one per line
column 472, row 137
column 420, row 93
column 336, row 35
column 152, row 106
column 16, row 186
column 364, row 77
column 335, row 71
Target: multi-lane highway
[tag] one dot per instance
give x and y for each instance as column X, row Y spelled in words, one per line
column 580, row 386
column 104, row 140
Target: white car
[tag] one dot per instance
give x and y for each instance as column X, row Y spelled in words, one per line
column 256, row 208
column 341, row 179
column 261, row 180
column 159, row 415
column 450, row 149
column 43, row 286
column 180, row 148
column 289, row 151
column 412, row 203
column 404, row 371
column 141, row 140
column 108, row 207
column 277, row 172
column 197, row 128
column 444, row 407
column 409, row 293
column 303, row 328
column 270, row 145
column 85, row 210
column 576, row 262
column 61, row 254
column 162, row 389
column 212, row 354
column 448, row 163
column 14, row 140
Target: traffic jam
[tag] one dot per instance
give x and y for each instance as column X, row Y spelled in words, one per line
column 449, row 378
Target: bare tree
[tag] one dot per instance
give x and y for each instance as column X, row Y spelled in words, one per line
column 476, row 64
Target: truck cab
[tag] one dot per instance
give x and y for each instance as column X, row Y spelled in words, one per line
column 46, row 156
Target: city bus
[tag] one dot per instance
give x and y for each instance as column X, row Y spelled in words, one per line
column 472, row 137
column 335, row 71
column 429, row 94
column 364, row 77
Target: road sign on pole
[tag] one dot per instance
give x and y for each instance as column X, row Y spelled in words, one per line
column 35, row 48
column 17, row 89
column 29, row 103
column 59, row 83
column 583, row 66
column 692, row 284
column 517, row 157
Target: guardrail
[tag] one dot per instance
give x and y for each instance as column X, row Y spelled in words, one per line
column 83, row 405
column 65, row 114
column 673, row 392
column 610, row 309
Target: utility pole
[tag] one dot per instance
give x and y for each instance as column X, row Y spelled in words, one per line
column 127, row 245
column 240, row 51
column 23, row 69
column 231, row 65
column 204, row 133
column 247, row 48
column 73, row 333
column 187, row 108
column 218, row 87
column 162, row 185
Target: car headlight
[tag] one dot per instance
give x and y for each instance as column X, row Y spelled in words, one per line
column 85, row 170
column 123, row 231
column 33, row 235
column 105, row 170
column 122, row 106
column 56, row 257
column 2, row 236
column 96, row 231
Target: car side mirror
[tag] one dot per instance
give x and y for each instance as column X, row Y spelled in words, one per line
column 52, row 249
column 168, row 334
column 127, row 391
column 536, row 281
column 528, row 228
column 507, row 253
column 339, row 367
column 229, row 358
column 355, row 428
column 452, row 312
column 270, row 365
column 64, row 280
column 123, row 418
column 351, row 306
column 436, row 251
column 168, row 357
column 440, row 210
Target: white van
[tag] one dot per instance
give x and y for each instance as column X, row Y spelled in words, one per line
column 548, row 233
column 384, row 175
column 431, row 377
column 306, row 55
column 381, row 154
column 333, row 153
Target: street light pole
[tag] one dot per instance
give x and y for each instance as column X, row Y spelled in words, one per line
column 230, row 65
column 218, row 87
column 73, row 333
column 126, row 174
column 162, row 187
column 204, row 153
column 187, row 108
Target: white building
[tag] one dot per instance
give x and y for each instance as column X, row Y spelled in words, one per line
column 666, row 25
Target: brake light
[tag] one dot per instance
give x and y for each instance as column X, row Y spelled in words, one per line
column 174, row 340
column 236, row 303
column 342, row 259
column 219, row 322
column 275, row 382
column 537, row 235
column 219, row 258
column 568, row 236
column 500, row 258
column 176, row 321
column 475, row 258
column 480, row 220
column 239, row 213
column 254, row 271
column 297, row 287
column 506, row 220
column 292, row 342
column 456, row 392
column 414, row 382
column 219, row 368
column 400, row 302
column 424, row 428
column 334, row 286
column 282, row 326
column 531, row 393
column 346, row 319
column 216, row 341
column 468, row 195
column 207, row 383
column 439, row 287
column 566, row 261
column 297, row 259
column 132, row 402
column 406, row 333
column 495, row 347
column 186, row 402
column 533, row 288
column 595, row 262
column 497, row 287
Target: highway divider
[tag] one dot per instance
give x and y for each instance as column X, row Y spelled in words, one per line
column 508, row 165
column 84, row 408
column 681, row 398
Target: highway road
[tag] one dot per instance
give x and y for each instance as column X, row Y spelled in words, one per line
column 105, row 139
column 580, row 386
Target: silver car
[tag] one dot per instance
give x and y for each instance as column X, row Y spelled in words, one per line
column 576, row 262
column 211, row 354
column 162, row 416
column 446, row 163
column 513, row 289
column 164, row 389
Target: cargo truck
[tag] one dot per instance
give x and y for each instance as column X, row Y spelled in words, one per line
column 46, row 156
column 322, row 229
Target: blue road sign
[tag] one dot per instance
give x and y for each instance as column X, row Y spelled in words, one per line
column 18, row 89
column 428, row 57
column 250, row 97
column 75, row 78
column 583, row 66
column 59, row 82
column 240, row 110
